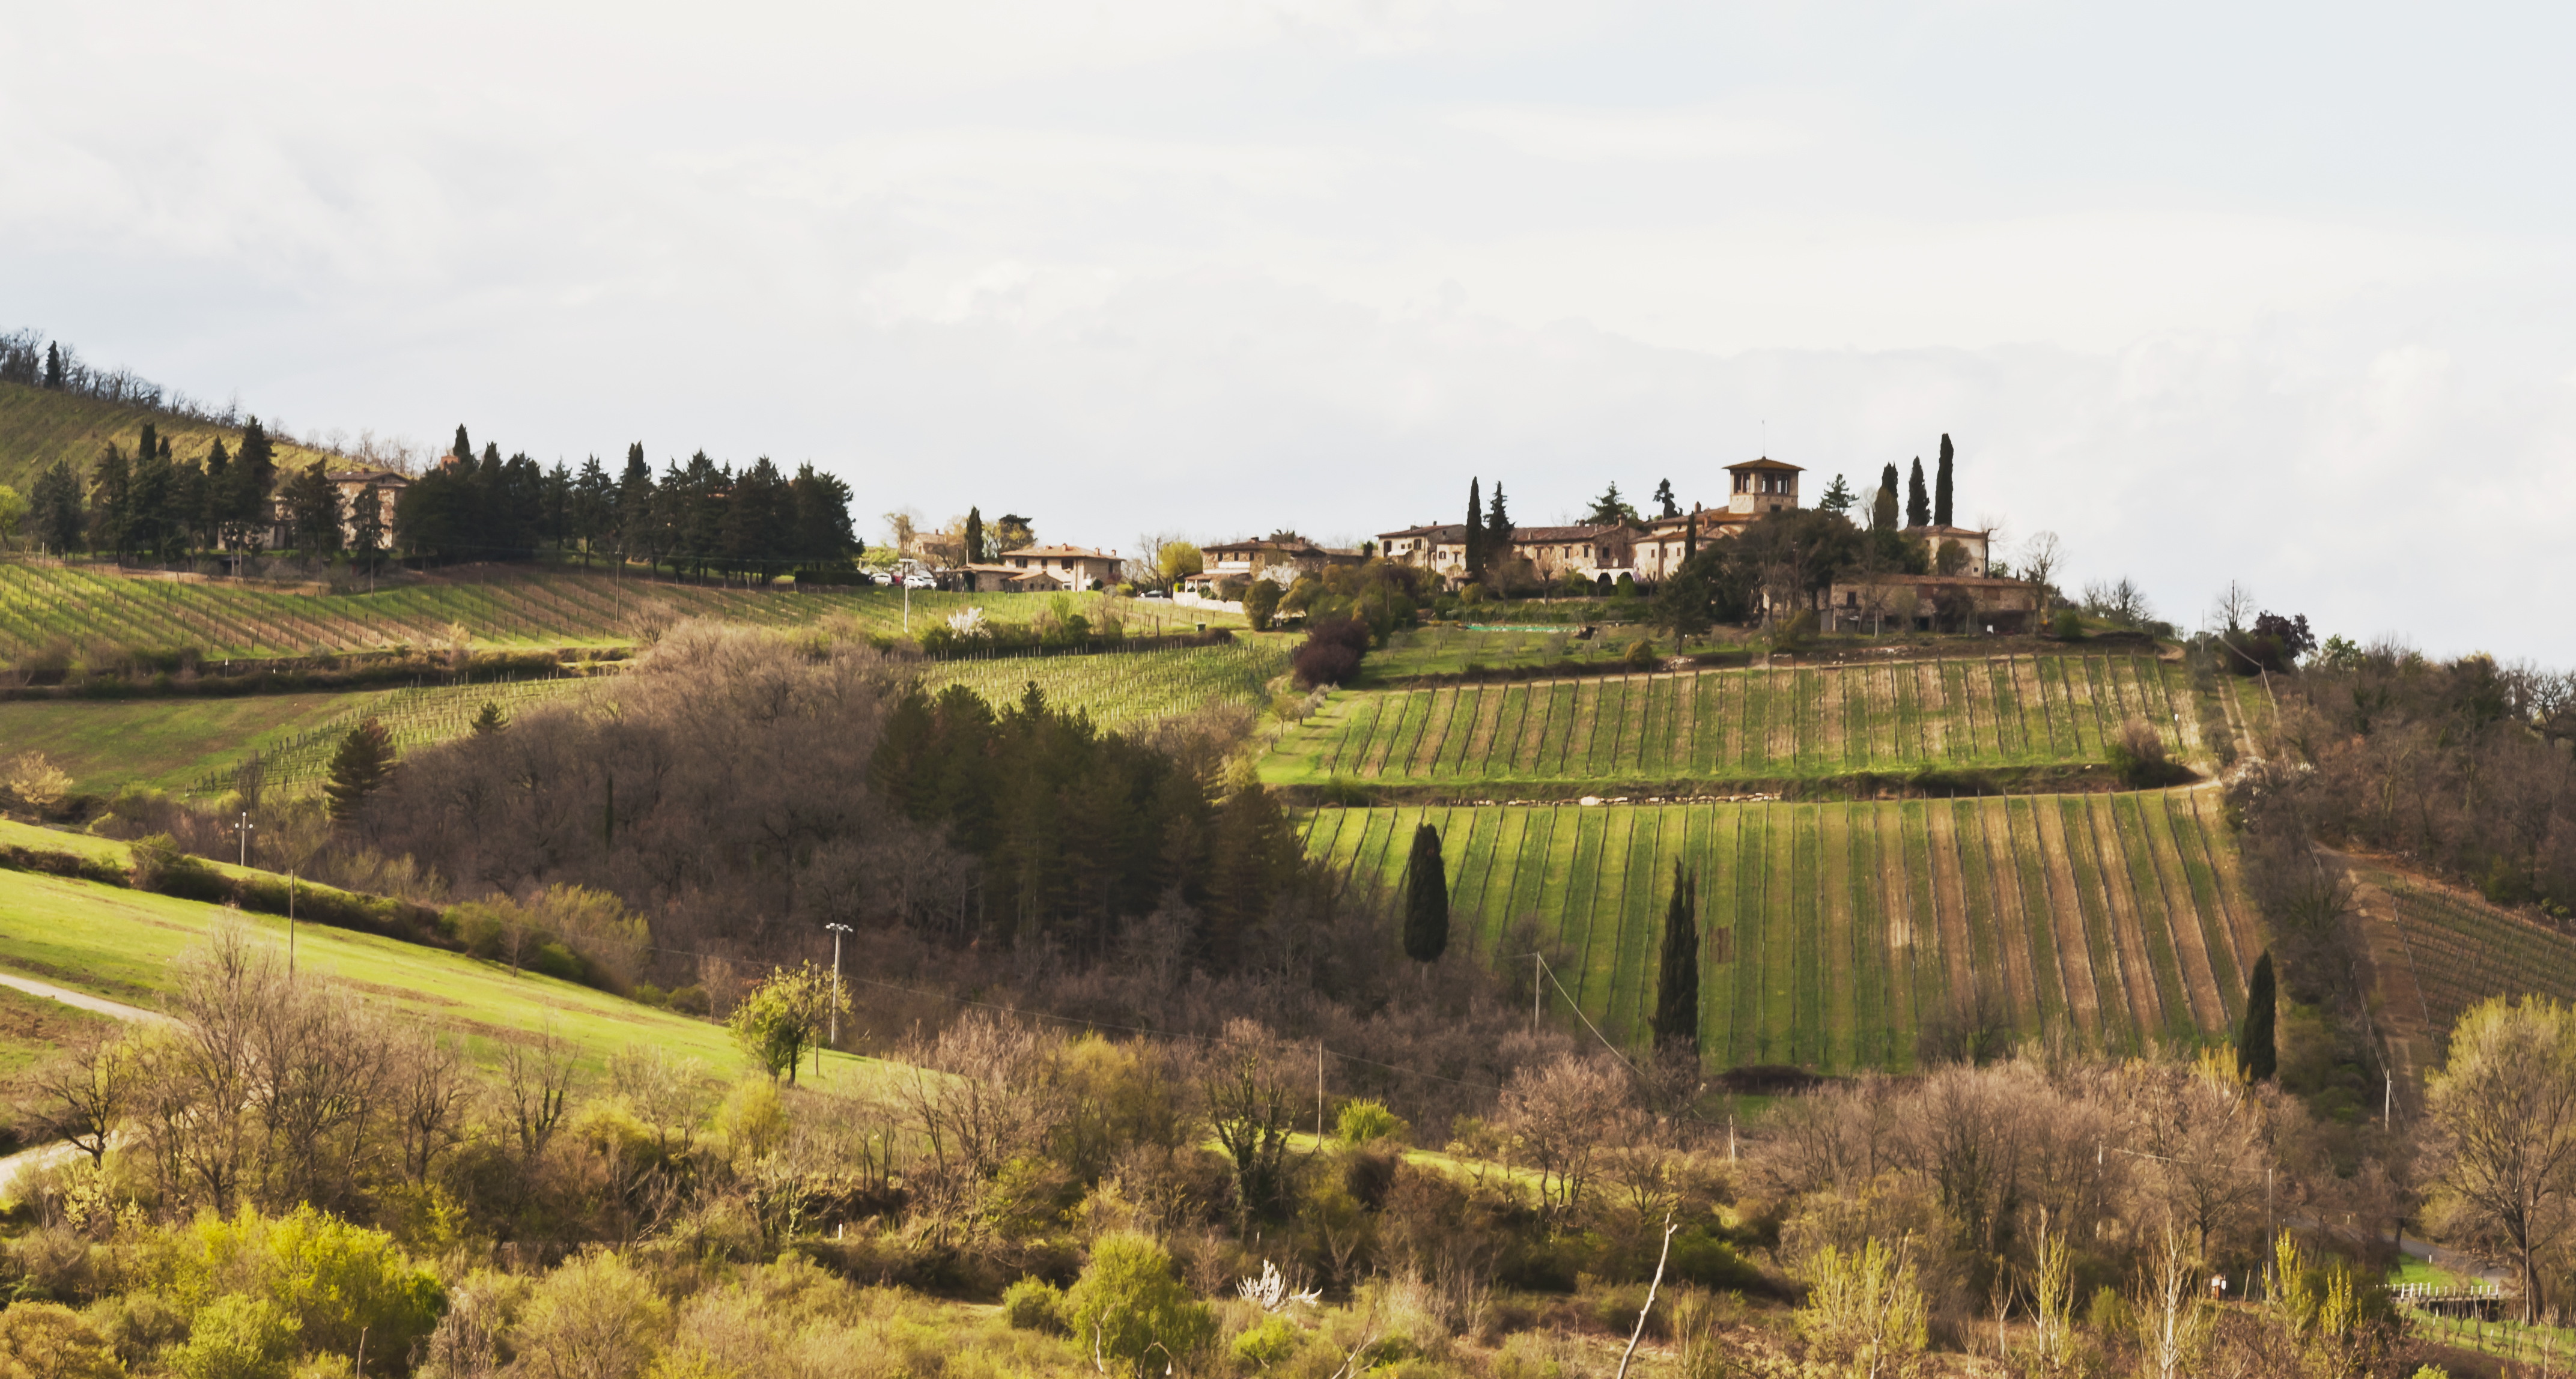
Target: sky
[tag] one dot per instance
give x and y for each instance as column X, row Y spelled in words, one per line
column 2273, row 293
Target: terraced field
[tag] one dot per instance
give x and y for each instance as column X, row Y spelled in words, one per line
column 55, row 606
column 1125, row 689
column 2463, row 951
column 1758, row 724
column 1832, row 933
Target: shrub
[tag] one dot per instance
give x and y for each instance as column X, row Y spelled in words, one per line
column 50, row 1339
column 1033, row 1304
column 236, row 1337
column 160, row 867
column 1261, row 603
column 1641, row 654
column 2137, row 753
column 595, row 1315
column 1331, row 653
column 1366, row 1120
column 1129, row 1308
column 2068, row 626
column 1274, row 1340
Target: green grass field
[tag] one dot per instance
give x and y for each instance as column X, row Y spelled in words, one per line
column 1831, row 933
column 54, row 609
column 120, row 943
column 1759, row 724
column 2464, row 951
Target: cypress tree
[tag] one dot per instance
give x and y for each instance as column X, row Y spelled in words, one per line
column 1426, row 898
column 54, row 366
column 2257, row 1056
column 359, row 768
column 1475, row 538
column 1498, row 528
column 1941, row 486
column 1882, row 509
column 974, row 535
column 1918, row 504
column 463, row 449
column 1677, row 982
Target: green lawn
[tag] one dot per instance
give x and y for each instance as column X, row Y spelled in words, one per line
column 120, row 943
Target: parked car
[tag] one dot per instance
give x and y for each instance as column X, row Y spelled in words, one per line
column 1153, row 594
column 919, row 581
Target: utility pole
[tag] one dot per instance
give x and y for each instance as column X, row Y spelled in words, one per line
column 1536, row 962
column 837, row 931
column 244, row 828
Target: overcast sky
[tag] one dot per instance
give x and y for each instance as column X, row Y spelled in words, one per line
column 2275, row 293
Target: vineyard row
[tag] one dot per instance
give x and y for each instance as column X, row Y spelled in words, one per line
column 1832, row 934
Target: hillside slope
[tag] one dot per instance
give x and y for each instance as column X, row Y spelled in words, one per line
column 119, row 943
column 39, row 427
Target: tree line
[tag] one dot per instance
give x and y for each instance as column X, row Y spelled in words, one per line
column 697, row 518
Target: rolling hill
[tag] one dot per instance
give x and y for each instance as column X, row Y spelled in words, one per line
column 39, row 427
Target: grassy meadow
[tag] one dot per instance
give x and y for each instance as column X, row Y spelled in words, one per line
column 120, row 943
column 1833, row 933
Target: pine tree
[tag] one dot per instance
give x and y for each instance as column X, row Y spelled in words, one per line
column 1498, row 529
column 1677, row 982
column 463, row 451
column 1475, row 538
column 359, row 768
column 1918, row 504
column 2257, row 1057
column 367, row 526
column 1838, row 497
column 489, row 719
column 1941, row 486
column 1670, row 506
column 1426, row 899
column 1882, row 509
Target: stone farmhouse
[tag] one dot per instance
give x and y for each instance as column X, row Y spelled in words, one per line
column 1280, row 558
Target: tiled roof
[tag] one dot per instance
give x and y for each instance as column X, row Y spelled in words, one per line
column 1766, row 462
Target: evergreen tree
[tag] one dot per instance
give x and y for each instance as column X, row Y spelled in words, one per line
column 367, row 526
column 632, row 521
column 1677, row 981
column 1667, row 505
column 1609, row 509
column 111, row 497
column 1838, row 497
column 1475, row 537
column 974, row 536
column 1941, row 486
column 1498, row 529
column 364, row 761
column 312, row 504
column 489, row 719
column 55, row 508
column 54, row 366
column 1426, row 898
column 1882, row 509
column 2257, row 1056
column 463, row 451
column 214, row 492
column 594, row 499
column 1918, row 504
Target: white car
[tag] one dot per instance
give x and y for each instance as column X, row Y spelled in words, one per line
column 1153, row 594
column 919, row 582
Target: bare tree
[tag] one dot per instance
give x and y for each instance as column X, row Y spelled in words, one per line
column 87, row 1094
column 2233, row 608
column 1561, row 1114
column 2120, row 600
column 537, row 1076
column 2042, row 557
column 433, row 1089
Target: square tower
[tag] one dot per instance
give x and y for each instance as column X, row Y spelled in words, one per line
column 1763, row 485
